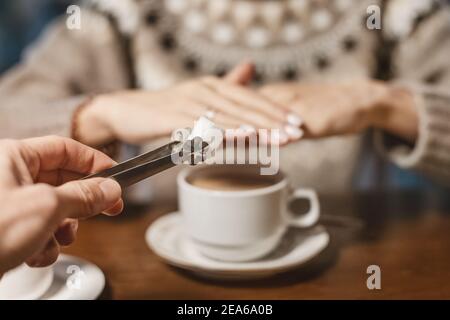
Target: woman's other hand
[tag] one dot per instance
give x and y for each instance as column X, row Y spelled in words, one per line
column 346, row 108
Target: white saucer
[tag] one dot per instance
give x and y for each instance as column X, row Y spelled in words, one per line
column 91, row 285
column 167, row 239
column 25, row 283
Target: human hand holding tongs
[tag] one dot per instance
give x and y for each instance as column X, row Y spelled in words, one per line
column 131, row 171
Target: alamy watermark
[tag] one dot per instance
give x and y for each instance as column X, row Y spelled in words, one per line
column 73, row 21
column 374, row 280
column 75, row 279
column 231, row 146
column 373, row 21
column 74, row 16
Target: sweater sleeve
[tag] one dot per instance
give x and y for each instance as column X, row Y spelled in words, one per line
column 39, row 96
column 420, row 63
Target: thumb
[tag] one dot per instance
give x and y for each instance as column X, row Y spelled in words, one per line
column 84, row 198
column 241, row 74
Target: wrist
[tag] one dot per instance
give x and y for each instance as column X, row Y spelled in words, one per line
column 395, row 112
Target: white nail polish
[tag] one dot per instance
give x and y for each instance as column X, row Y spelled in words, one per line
column 293, row 132
column 283, row 137
column 264, row 137
column 210, row 114
column 294, row 120
column 231, row 133
column 247, row 128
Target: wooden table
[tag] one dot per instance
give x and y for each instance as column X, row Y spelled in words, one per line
column 406, row 234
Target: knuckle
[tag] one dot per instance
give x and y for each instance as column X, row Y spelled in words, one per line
column 209, row 79
column 189, row 86
column 47, row 203
column 47, row 196
column 267, row 91
column 55, row 137
column 90, row 195
column 264, row 121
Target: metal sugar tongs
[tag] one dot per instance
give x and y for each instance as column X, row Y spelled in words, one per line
column 150, row 163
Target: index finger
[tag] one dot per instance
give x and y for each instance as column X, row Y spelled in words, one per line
column 55, row 153
column 241, row 74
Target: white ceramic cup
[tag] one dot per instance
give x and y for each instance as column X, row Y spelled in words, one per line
column 25, row 283
column 240, row 225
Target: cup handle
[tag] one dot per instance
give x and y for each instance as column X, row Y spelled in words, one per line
column 310, row 218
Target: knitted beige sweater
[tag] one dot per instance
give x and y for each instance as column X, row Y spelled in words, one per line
column 154, row 44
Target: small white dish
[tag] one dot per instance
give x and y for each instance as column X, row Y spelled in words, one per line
column 167, row 239
column 65, row 287
column 25, row 283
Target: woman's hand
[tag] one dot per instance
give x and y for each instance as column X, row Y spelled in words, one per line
column 340, row 109
column 40, row 204
column 137, row 116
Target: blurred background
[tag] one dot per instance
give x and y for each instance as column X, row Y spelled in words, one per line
column 22, row 21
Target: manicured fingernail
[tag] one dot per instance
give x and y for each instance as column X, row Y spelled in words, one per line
column 263, row 136
column 111, row 190
column 293, row 132
column 283, row 137
column 279, row 138
column 115, row 209
column 229, row 134
column 210, row 114
column 247, row 128
column 294, row 120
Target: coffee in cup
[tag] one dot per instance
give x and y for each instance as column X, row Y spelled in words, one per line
column 218, row 181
